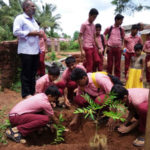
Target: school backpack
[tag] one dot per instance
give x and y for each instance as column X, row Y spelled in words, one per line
column 103, row 43
column 121, row 32
column 114, row 79
column 94, row 78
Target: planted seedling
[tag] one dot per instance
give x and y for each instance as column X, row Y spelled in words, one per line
column 95, row 112
column 60, row 128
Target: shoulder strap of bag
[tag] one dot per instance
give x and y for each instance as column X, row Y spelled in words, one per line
column 94, row 78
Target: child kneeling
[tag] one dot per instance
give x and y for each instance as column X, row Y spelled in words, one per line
column 25, row 117
column 136, row 99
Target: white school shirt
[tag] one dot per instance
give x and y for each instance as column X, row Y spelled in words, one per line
column 22, row 26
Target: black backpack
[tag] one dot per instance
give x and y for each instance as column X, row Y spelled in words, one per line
column 103, row 43
column 121, row 32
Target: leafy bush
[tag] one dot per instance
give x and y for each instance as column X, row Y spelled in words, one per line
column 64, row 45
column 53, row 56
column 74, row 45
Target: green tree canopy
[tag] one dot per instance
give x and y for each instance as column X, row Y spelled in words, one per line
column 8, row 13
column 64, row 35
column 47, row 20
column 130, row 6
column 75, row 35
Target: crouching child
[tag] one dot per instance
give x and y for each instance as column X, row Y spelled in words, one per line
column 32, row 113
column 97, row 85
column 136, row 100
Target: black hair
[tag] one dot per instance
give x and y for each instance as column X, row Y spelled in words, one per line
column 138, row 47
column 119, row 91
column 135, row 26
column 139, row 26
column 78, row 74
column 70, row 60
column 115, row 80
column 93, row 12
column 54, row 70
column 119, row 16
column 53, row 91
column 98, row 25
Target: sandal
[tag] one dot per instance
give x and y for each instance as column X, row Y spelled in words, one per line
column 140, row 141
column 16, row 136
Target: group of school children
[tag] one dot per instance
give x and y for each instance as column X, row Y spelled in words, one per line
column 113, row 42
column 36, row 111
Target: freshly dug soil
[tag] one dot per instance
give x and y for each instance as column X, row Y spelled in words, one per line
column 74, row 140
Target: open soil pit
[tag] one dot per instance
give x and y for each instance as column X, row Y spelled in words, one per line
column 75, row 140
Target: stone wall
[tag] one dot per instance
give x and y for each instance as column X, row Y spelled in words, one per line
column 9, row 62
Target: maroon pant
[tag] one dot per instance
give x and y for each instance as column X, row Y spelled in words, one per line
column 41, row 67
column 147, row 72
column 142, row 111
column 61, row 86
column 99, row 66
column 28, row 123
column 71, row 86
column 127, row 61
column 92, row 57
column 114, row 56
column 81, row 102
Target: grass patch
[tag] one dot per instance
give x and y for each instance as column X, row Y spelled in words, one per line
column 16, row 86
column 64, row 55
column 4, row 124
column 71, row 50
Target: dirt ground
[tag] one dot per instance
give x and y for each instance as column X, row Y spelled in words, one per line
column 74, row 140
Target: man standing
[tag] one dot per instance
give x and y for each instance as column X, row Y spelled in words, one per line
column 114, row 35
column 87, row 42
column 27, row 31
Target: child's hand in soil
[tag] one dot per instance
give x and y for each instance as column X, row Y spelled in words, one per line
column 67, row 103
column 54, row 119
column 111, row 124
column 52, row 128
column 53, row 104
column 124, row 129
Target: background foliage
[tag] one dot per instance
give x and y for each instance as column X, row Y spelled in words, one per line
column 45, row 17
column 130, row 6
